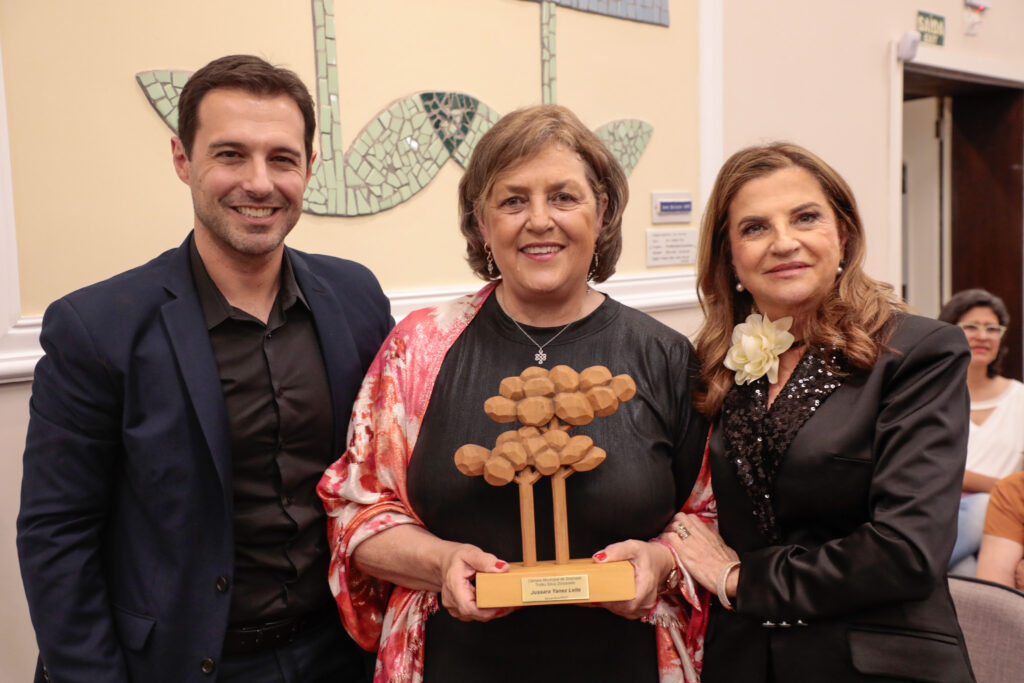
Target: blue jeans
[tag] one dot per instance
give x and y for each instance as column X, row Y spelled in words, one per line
column 324, row 655
column 969, row 527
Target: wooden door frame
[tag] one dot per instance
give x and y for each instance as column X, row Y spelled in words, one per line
column 956, row 68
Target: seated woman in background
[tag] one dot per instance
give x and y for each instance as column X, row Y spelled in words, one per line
column 541, row 207
column 995, row 446
column 1001, row 558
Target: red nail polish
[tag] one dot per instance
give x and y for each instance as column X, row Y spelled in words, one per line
column 500, row 565
column 600, row 557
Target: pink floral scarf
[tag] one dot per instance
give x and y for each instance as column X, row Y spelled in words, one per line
column 364, row 492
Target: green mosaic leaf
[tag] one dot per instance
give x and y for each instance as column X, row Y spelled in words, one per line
column 482, row 121
column 398, row 153
column 162, row 89
column 627, row 139
column 646, row 11
column 451, row 114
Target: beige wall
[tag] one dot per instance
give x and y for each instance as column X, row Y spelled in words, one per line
column 94, row 190
column 820, row 74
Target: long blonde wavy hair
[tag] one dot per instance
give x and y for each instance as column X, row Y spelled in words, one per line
column 853, row 317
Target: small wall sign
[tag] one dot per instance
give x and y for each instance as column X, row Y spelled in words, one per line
column 932, row 28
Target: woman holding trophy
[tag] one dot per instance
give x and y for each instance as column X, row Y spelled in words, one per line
column 541, row 208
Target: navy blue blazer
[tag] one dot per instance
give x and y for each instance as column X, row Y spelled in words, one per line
column 125, row 529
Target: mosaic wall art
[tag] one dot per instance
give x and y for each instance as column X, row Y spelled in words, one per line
column 401, row 150
column 646, row 11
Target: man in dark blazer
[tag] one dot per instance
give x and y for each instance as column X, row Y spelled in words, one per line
column 183, row 413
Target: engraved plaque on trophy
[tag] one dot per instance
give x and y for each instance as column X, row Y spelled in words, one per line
column 548, row 403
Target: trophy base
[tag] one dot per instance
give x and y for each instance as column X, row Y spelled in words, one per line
column 547, row 583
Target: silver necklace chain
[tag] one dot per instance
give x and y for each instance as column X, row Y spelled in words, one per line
column 540, row 356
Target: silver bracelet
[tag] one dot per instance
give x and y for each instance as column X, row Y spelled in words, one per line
column 722, row 578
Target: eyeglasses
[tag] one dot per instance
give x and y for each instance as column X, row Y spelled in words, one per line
column 976, row 329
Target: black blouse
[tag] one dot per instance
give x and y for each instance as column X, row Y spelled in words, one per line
column 654, row 444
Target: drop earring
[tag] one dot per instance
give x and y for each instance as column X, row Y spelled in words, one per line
column 490, row 260
column 593, row 267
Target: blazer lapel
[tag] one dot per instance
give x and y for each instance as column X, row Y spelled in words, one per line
column 190, row 342
column 334, row 334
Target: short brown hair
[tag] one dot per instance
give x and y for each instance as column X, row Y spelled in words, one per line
column 249, row 74
column 853, row 317
column 965, row 300
column 522, row 135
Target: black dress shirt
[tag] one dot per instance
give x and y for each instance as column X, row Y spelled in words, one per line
column 281, row 424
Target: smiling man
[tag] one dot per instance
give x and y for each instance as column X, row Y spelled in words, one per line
column 183, row 414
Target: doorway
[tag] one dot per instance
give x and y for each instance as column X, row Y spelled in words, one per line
column 963, row 191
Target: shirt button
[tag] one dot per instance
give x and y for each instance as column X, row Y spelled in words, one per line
column 222, row 584
column 269, row 335
column 207, row 665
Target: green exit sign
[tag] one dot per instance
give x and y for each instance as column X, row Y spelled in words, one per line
column 932, row 28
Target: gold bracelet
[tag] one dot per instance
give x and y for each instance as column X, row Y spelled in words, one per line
column 722, row 578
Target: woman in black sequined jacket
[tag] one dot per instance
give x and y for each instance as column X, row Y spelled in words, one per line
column 838, row 446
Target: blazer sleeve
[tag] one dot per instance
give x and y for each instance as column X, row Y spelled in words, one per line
column 71, row 455
column 919, row 449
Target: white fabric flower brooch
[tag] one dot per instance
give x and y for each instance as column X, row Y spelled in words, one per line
column 757, row 344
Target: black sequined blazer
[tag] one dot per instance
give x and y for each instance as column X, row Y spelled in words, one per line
column 865, row 503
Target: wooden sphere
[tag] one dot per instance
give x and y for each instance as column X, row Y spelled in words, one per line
column 511, row 387
column 470, row 459
column 547, row 462
column 565, row 379
column 511, row 435
column 512, row 451
column 576, row 449
column 498, row 471
column 557, row 438
column 624, row 387
column 594, row 457
column 535, row 411
column 534, row 445
column 594, row 376
column 539, row 386
column 574, row 408
column 603, row 401
column 527, row 433
column 533, row 371
column 500, row 409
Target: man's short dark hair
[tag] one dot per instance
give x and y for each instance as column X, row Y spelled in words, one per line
column 249, row 74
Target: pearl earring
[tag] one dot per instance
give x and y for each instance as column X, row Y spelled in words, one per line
column 739, row 286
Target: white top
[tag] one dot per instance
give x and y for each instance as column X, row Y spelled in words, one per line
column 995, row 448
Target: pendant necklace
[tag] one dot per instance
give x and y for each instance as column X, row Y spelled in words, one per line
column 540, row 356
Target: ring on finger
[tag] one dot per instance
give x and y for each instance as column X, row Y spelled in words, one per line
column 683, row 532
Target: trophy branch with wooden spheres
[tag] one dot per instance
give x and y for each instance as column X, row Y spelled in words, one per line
column 548, row 403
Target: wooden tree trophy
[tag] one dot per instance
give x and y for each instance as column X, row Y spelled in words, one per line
column 548, row 404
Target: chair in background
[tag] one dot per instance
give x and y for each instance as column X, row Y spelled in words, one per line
column 992, row 618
